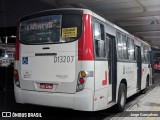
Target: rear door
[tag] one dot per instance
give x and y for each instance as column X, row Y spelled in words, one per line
column 139, row 67
column 112, row 65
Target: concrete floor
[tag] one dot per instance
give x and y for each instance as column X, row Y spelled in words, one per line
column 137, row 105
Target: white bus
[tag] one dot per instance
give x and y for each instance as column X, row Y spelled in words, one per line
column 73, row 58
column 7, row 55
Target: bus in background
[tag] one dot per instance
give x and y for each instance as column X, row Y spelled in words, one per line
column 7, row 50
column 74, row 58
column 6, row 57
column 156, row 66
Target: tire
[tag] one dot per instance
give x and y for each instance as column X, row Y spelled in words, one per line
column 122, row 93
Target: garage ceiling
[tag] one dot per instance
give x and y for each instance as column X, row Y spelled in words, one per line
column 139, row 17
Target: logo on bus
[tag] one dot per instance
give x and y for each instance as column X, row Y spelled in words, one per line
column 24, row 60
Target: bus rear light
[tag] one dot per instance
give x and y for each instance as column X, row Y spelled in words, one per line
column 81, row 81
column 104, row 82
column 83, row 74
column 156, row 66
column 16, row 78
column 80, row 84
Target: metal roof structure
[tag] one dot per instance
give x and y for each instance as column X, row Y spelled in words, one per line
column 139, row 17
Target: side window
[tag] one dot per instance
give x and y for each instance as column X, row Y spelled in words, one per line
column 142, row 53
column 125, row 49
column 131, row 49
column 122, row 46
column 136, row 53
column 146, row 54
column 119, row 45
column 99, row 38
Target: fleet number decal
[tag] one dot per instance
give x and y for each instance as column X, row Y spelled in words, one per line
column 63, row 59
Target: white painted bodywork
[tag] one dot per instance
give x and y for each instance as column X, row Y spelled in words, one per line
column 93, row 97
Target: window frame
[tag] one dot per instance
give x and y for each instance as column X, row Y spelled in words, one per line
column 146, row 54
column 94, row 20
column 50, row 13
column 130, row 41
column 117, row 47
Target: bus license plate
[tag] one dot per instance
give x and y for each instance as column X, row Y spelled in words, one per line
column 46, row 86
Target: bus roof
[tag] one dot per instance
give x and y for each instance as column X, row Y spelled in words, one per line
column 87, row 11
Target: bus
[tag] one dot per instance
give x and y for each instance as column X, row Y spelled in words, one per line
column 73, row 58
column 7, row 55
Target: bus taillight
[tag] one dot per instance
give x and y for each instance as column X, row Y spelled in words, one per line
column 156, row 66
column 81, row 80
column 16, row 77
column 83, row 74
column 17, row 50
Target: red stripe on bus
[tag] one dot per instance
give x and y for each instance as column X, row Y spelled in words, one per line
column 85, row 43
column 104, row 82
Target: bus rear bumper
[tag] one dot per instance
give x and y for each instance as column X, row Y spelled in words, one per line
column 79, row 101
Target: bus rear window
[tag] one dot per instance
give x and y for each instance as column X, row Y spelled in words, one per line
column 50, row 29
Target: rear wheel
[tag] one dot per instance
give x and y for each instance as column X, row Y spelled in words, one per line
column 121, row 97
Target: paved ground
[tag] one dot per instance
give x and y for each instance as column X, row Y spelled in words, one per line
column 6, row 77
column 146, row 107
column 139, row 103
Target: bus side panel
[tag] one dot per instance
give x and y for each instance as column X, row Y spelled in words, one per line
column 88, row 66
column 145, row 71
column 84, row 98
column 102, row 93
column 127, row 71
column 101, row 98
column 17, row 90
